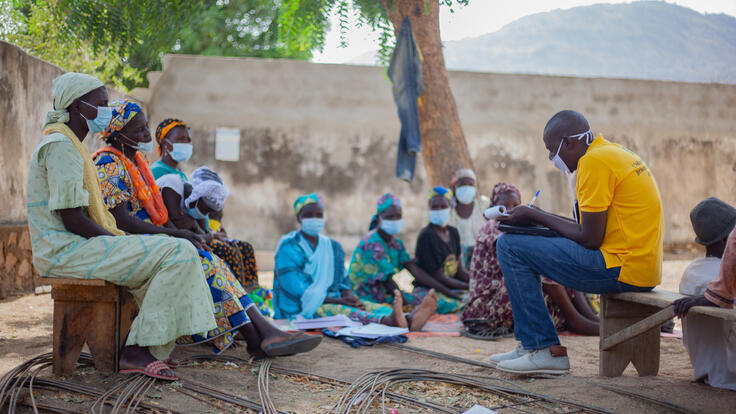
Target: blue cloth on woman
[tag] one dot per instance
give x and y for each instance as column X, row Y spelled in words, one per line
column 291, row 279
column 405, row 72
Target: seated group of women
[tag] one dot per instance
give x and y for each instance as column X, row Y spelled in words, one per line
column 454, row 267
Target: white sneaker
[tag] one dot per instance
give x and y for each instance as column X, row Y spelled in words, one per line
column 516, row 353
column 552, row 360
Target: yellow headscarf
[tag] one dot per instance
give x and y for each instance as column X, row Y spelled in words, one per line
column 67, row 88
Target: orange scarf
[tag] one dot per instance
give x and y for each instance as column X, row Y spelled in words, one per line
column 145, row 186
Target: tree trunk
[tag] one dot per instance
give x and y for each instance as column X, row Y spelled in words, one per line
column 444, row 149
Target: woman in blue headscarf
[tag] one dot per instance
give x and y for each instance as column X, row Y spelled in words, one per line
column 310, row 278
column 380, row 255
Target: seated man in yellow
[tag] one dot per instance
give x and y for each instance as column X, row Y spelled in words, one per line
column 616, row 245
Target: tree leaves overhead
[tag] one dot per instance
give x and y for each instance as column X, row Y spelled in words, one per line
column 303, row 23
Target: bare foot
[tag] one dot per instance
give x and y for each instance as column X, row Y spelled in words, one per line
column 397, row 317
column 424, row 311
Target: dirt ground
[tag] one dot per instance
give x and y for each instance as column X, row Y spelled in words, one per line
column 25, row 331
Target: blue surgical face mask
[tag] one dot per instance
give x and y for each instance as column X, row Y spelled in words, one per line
column 101, row 121
column 195, row 213
column 439, row 217
column 181, row 152
column 144, row 147
column 392, row 227
column 465, row 194
column 313, row 226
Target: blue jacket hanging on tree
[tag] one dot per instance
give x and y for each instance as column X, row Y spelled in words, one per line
column 405, row 72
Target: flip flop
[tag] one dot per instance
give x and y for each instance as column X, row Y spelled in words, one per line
column 297, row 345
column 153, row 370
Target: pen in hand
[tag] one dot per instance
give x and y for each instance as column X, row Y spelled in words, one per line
column 531, row 203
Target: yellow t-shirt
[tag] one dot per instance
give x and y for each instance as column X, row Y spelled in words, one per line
column 612, row 178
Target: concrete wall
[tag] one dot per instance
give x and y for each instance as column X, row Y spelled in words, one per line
column 334, row 129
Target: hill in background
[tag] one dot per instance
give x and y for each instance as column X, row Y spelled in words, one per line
column 643, row 40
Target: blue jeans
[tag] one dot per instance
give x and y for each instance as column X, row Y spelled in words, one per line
column 524, row 258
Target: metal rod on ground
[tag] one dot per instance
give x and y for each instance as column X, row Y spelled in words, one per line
column 638, row 328
column 665, row 404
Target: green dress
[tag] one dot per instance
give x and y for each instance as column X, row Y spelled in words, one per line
column 164, row 274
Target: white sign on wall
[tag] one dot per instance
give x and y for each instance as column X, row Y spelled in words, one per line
column 227, row 144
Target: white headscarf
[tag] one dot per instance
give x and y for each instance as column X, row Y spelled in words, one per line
column 67, row 88
column 208, row 185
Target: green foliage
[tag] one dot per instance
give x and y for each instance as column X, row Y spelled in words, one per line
column 235, row 28
column 34, row 27
column 303, row 23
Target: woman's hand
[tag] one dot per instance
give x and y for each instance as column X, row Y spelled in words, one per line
column 197, row 240
column 520, row 216
column 221, row 236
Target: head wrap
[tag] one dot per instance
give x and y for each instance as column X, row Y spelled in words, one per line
column 384, row 202
column 164, row 128
column 441, row 191
column 207, row 185
column 67, row 88
column 305, row 200
column 204, row 173
column 502, row 188
column 463, row 173
column 123, row 112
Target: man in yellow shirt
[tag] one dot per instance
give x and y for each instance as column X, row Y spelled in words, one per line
column 615, row 246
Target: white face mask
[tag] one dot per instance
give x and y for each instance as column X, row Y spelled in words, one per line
column 465, row 194
column 557, row 160
column 439, row 217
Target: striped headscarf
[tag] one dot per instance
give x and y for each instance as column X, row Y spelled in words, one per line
column 123, row 111
column 502, row 188
column 164, row 128
column 305, row 200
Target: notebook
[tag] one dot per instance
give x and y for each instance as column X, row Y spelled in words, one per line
column 529, row 230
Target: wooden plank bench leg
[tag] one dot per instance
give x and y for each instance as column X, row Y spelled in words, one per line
column 641, row 350
column 85, row 314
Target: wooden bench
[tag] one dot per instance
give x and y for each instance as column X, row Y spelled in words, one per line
column 89, row 311
column 630, row 329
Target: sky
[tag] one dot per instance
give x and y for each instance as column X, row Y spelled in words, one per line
column 481, row 17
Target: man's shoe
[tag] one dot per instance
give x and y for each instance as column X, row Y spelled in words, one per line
column 516, row 353
column 552, row 360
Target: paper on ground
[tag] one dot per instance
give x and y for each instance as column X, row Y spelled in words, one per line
column 326, row 322
column 479, row 409
column 373, row 330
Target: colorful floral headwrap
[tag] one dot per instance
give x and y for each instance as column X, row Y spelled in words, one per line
column 385, row 201
column 441, row 191
column 123, row 111
column 305, row 200
column 502, row 188
column 164, row 128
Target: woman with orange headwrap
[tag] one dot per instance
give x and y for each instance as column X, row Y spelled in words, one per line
column 133, row 198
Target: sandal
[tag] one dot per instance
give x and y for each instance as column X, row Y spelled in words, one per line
column 153, row 370
column 482, row 329
column 298, row 344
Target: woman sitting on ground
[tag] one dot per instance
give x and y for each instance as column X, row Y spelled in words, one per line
column 438, row 253
column 488, row 312
column 131, row 195
column 310, row 278
column 190, row 206
column 380, row 255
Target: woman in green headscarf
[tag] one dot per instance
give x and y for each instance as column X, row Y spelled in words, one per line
column 73, row 235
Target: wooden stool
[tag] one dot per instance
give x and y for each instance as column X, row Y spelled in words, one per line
column 92, row 311
column 630, row 329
